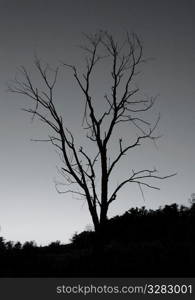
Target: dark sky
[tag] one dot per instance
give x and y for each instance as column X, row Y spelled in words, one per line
column 30, row 208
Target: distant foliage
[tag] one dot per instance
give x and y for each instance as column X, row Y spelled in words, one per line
column 2, row 244
column 29, row 245
column 192, row 199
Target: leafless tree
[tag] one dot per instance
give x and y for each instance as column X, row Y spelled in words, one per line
column 123, row 106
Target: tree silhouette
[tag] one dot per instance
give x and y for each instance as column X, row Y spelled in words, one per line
column 124, row 106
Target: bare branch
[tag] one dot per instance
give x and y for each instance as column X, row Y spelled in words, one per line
column 138, row 179
column 124, row 105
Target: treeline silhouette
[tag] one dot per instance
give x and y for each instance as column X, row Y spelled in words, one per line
column 140, row 243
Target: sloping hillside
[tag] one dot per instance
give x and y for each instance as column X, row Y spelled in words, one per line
column 140, row 243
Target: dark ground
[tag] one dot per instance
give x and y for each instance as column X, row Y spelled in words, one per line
column 140, row 243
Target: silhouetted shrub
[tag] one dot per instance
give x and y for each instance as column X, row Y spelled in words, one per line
column 2, row 244
column 83, row 239
column 18, row 246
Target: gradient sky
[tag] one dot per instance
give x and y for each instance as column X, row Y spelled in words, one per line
column 30, row 208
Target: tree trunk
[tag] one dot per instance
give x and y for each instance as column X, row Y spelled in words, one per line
column 93, row 212
column 104, row 190
column 103, row 215
column 95, row 220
